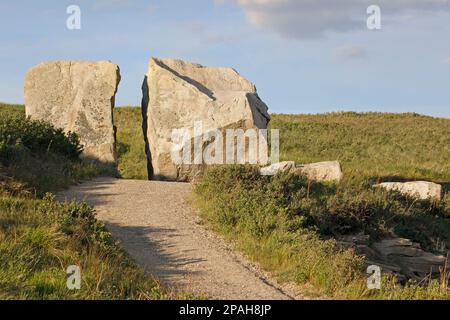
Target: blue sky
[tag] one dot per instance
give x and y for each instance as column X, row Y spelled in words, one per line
column 304, row 56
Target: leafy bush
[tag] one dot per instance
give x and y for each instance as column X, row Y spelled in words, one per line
column 36, row 158
column 38, row 137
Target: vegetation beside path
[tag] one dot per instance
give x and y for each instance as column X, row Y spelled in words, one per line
column 285, row 223
column 39, row 237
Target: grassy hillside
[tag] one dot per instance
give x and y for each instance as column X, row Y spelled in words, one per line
column 377, row 146
column 40, row 238
column 371, row 145
column 288, row 225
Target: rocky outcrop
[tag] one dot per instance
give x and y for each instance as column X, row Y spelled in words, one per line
column 178, row 94
column 77, row 96
column 419, row 189
column 321, row 171
column 401, row 257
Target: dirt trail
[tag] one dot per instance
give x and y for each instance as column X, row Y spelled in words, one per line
column 161, row 231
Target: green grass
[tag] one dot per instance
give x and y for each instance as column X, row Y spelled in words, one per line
column 130, row 143
column 288, row 225
column 40, row 238
column 378, row 146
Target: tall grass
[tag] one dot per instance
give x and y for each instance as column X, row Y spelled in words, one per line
column 288, row 225
column 130, row 143
column 370, row 146
column 39, row 237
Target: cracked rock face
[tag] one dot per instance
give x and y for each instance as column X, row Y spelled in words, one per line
column 77, row 96
column 177, row 94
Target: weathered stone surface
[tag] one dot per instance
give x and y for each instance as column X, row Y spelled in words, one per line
column 277, row 167
column 402, row 257
column 176, row 94
column 322, row 171
column 413, row 262
column 77, row 96
column 420, row 189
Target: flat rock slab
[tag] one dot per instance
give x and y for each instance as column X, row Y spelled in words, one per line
column 320, row 171
column 419, row 189
column 160, row 230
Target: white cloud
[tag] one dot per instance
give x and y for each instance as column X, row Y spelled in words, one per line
column 350, row 52
column 313, row 18
column 447, row 61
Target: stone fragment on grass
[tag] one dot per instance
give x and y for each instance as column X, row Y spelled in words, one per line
column 277, row 167
column 419, row 189
column 77, row 96
column 414, row 262
column 321, row 171
column 401, row 257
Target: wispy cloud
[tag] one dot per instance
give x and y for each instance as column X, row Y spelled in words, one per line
column 350, row 52
column 447, row 61
column 310, row 19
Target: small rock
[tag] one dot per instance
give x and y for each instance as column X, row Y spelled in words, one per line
column 277, row 167
column 414, row 262
column 420, row 189
column 401, row 257
column 322, row 171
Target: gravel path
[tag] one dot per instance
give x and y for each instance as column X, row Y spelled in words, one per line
column 160, row 230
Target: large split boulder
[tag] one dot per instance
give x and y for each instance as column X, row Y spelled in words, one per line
column 418, row 189
column 77, row 96
column 180, row 95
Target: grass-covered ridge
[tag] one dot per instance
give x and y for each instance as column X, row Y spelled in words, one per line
column 289, row 225
column 39, row 237
column 378, row 146
column 375, row 146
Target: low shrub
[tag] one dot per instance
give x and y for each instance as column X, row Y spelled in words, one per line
column 38, row 137
column 288, row 224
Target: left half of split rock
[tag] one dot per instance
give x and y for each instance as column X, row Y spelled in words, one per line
column 77, row 96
